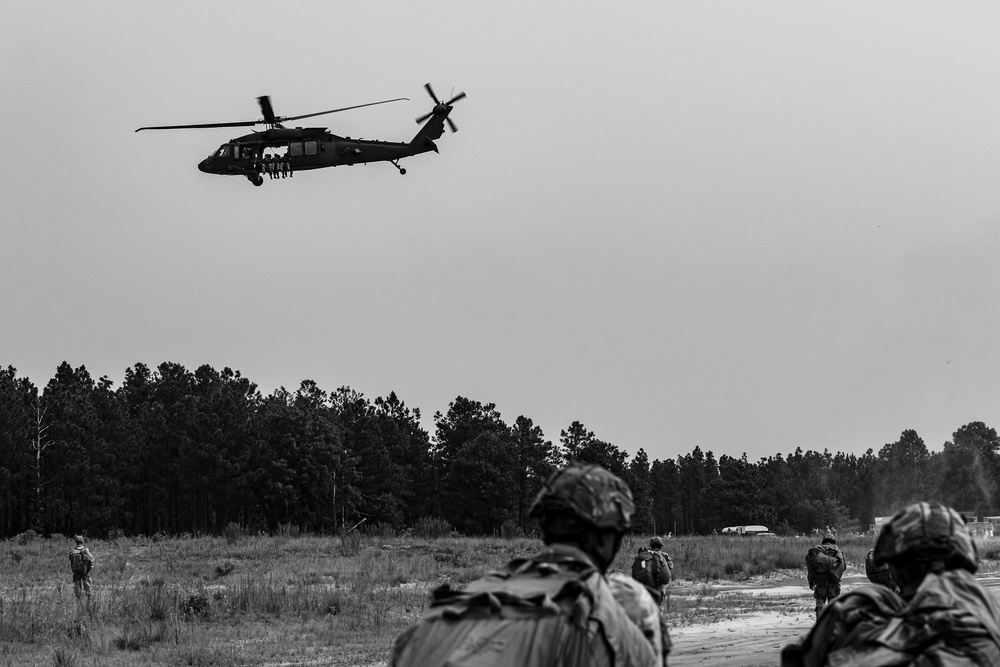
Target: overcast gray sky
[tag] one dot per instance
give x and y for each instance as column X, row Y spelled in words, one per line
column 744, row 226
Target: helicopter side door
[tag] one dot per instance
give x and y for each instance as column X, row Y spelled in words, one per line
column 304, row 153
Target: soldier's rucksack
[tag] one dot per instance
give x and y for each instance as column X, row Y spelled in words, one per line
column 528, row 614
column 77, row 562
column 650, row 569
column 823, row 559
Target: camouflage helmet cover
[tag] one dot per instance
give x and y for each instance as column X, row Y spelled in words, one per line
column 78, row 539
column 656, row 542
column 589, row 492
column 829, row 539
column 927, row 531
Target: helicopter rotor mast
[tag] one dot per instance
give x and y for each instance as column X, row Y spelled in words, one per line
column 269, row 119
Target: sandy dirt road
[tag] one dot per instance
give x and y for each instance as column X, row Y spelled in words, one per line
column 756, row 639
column 752, row 639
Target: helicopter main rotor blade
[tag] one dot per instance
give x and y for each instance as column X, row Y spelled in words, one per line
column 244, row 123
column 265, row 108
column 269, row 117
column 451, row 124
column 356, row 106
column 456, row 98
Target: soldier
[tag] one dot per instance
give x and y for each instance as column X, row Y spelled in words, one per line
column 81, row 562
column 825, row 566
column 556, row 608
column 879, row 575
column 656, row 548
column 652, row 568
column 942, row 617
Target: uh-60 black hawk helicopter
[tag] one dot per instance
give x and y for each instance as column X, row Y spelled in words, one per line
column 280, row 151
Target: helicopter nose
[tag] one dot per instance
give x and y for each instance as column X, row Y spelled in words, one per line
column 205, row 165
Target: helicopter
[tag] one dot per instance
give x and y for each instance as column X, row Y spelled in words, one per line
column 280, row 151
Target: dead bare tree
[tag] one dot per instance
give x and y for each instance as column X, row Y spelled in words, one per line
column 39, row 443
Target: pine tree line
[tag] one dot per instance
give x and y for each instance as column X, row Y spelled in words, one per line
column 173, row 451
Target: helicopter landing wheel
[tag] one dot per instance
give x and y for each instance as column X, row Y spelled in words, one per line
column 395, row 163
column 402, row 172
column 256, row 179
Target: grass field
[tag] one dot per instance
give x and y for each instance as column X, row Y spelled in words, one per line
column 282, row 600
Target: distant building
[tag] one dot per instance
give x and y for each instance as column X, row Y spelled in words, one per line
column 877, row 526
column 746, row 531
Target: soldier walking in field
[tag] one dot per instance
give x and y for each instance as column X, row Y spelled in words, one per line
column 654, row 569
column 81, row 562
column 825, row 566
column 557, row 608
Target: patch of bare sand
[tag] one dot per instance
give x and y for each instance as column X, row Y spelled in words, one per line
column 753, row 640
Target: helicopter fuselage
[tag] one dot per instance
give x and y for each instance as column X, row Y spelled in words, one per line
column 303, row 149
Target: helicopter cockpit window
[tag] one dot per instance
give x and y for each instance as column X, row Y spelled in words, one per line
column 310, row 148
column 223, row 151
column 295, row 148
column 247, row 152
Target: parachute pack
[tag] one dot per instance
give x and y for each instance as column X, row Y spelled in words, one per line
column 650, row 569
column 530, row 613
column 823, row 559
column 78, row 562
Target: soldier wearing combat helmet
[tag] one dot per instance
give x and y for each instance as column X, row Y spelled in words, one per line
column 943, row 615
column 558, row 607
column 81, row 562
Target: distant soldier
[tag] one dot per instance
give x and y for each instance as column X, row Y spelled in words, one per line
column 825, row 566
column 942, row 617
column 654, row 568
column 879, row 575
column 556, row 608
column 81, row 561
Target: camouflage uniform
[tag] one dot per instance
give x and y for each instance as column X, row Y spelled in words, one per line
column 642, row 609
column 943, row 616
column 826, row 585
column 583, row 512
column 81, row 580
column 655, row 545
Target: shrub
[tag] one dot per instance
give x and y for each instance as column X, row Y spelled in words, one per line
column 350, row 543
column 63, row 659
column 384, row 530
column 136, row 638
column 988, row 549
column 234, row 532
column 432, row 528
column 288, row 530
column 510, row 530
column 116, row 534
column 225, row 568
column 26, row 538
column 195, row 605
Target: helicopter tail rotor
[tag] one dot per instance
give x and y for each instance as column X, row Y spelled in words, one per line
column 441, row 108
